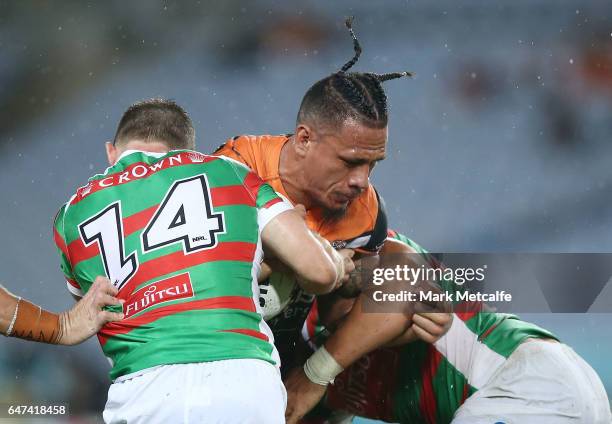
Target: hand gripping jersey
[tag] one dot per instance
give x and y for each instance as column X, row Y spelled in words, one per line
column 363, row 227
column 179, row 235
column 424, row 383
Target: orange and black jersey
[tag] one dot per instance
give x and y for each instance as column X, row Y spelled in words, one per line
column 364, row 225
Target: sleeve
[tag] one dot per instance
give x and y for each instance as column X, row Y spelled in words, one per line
column 60, row 242
column 269, row 205
column 268, row 202
column 379, row 233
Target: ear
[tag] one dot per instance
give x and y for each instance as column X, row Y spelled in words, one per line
column 302, row 139
column 112, row 153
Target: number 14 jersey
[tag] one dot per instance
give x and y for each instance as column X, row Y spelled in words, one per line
column 179, row 235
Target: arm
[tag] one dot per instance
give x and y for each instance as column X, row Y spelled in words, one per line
column 318, row 265
column 427, row 326
column 360, row 333
column 22, row 319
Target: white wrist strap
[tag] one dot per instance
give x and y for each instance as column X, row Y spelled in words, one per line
column 12, row 324
column 321, row 368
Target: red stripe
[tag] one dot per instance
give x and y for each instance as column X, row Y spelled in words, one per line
column 129, row 324
column 272, row 202
column 465, row 394
column 60, row 243
column 247, row 332
column 311, row 320
column 467, row 310
column 428, row 405
column 252, row 182
column 231, row 195
column 486, row 333
column 73, row 283
column 79, row 252
column 227, row 251
column 137, row 221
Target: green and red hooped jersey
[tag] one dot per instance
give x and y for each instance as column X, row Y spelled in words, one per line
column 421, row 382
column 179, row 235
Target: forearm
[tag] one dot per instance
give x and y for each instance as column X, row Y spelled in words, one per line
column 288, row 239
column 8, row 303
column 31, row 322
column 363, row 332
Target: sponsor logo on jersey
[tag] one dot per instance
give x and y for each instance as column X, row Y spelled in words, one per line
column 196, row 157
column 85, row 191
column 139, row 170
column 173, row 288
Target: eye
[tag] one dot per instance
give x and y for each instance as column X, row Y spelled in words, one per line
column 350, row 163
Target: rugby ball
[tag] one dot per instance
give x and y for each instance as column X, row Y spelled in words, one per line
column 275, row 293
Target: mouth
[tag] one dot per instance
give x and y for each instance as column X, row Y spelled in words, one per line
column 345, row 198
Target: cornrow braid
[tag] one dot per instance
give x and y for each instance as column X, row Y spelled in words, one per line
column 393, row 75
column 355, row 94
column 342, row 95
column 356, row 46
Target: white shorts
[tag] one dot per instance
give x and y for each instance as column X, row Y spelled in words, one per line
column 542, row 382
column 230, row 391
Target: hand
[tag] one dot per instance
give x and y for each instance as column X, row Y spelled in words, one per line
column 302, row 395
column 342, row 259
column 87, row 316
column 348, row 266
column 431, row 326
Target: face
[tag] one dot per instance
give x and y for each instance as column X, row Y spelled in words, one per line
column 338, row 162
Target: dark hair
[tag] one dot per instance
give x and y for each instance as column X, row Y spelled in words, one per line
column 157, row 120
column 341, row 96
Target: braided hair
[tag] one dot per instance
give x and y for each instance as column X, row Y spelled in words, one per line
column 342, row 95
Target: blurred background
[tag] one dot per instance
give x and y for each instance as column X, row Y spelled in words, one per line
column 501, row 142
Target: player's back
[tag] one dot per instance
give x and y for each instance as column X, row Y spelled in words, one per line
column 178, row 234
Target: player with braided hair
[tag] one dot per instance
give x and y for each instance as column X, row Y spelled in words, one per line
column 342, row 96
column 340, row 135
column 358, row 101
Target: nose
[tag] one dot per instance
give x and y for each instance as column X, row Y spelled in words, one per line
column 359, row 178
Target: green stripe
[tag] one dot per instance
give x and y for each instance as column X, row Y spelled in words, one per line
column 406, row 399
column 448, row 385
column 264, row 195
column 195, row 338
column 508, row 334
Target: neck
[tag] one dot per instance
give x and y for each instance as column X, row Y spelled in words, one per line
column 292, row 176
column 145, row 146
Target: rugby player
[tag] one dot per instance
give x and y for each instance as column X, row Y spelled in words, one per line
column 340, row 135
column 488, row 368
column 180, row 235
column 22, row 319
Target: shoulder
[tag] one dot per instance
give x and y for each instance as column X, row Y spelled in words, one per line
column 251, row 150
